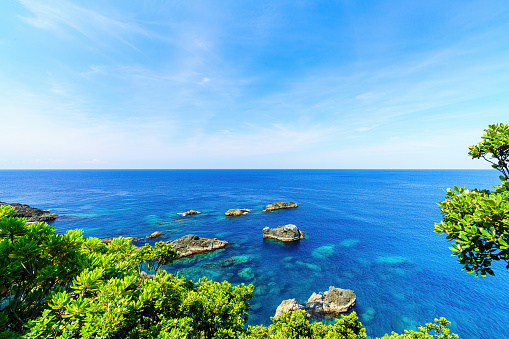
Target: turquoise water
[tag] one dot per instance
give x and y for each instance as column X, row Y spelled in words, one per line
column 366, row 230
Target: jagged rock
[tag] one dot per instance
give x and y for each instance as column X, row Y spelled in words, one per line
column 332, row 302
column 280, row 205
column 235, row 212
column 285, row 233
column 190, row 212
column 288, row 305
column 337, row 300
column 154, row 235
column 31, row 214
column 192, row 244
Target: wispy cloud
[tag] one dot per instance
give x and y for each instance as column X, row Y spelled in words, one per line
column 60, row 16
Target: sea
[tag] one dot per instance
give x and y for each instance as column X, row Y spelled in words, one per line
column 370, row 231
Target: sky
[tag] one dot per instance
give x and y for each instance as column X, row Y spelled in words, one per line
column 250, row 84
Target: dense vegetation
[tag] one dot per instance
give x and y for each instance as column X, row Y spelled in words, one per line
column 477, row 221
column 68, row 286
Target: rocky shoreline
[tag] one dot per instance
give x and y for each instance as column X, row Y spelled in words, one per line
column 31, row 214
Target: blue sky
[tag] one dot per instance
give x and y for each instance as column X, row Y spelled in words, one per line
column 250, row 84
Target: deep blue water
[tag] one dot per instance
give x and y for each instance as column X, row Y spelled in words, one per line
column 366, row 230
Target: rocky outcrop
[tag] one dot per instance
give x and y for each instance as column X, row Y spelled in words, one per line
column 192, row 244
column 280, row 205
column 332, row 303
column 284, row 233
column 289, row 305
column 235, row 212
column 154, row 235
column 190, row 212
column 31, row 214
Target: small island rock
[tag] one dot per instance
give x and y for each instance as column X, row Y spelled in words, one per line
column 190, row 212
column 280, row 205
column 31, row 214
column 154, row 235
column 337, row 300
column 284, row 233
column 235, row 212
column 192, row 244
column 332, row 302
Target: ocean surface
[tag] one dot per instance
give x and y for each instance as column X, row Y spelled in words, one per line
column 366, row 230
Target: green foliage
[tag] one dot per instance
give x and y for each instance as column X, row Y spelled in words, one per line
column 74, row 287
column 426, row 332
column 494, row 148
column 296, row 325
column 477, row 221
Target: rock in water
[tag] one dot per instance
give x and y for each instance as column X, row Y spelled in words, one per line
column 154, row 235
column 284, row 233
column 289, row 305
column 235, row 212
column 332, row 302
column 280, row 205
column 190, row 212
column 337, row 300
column 31, row 214
column 192, row 244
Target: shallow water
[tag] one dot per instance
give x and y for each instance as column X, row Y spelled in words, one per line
column 366, row 230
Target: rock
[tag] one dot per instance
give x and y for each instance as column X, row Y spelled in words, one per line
column 332, row 302
column 283, row 233
column 31, row 214
column 315, row 297
column 256, row 306
column 190, row 212
column 288, row 305
column 192, row 244
column 280, row 205
column 235, row 212
column 154, row 235
column 337, row 300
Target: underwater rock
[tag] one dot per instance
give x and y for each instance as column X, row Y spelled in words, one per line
column 280, row 205
column 31, row 214
column 247, row 273
column 323, row 252
column 154, row 235
column 192, row 244
column 235, row 212
column 288, row 305
column 256, row 306
column 261, row 290
column 312, row 267
column 284, row 233
column 332, row 302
